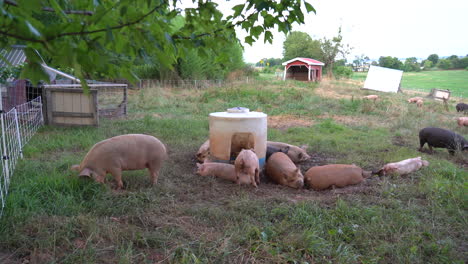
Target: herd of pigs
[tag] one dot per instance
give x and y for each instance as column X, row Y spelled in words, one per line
column 138, row 151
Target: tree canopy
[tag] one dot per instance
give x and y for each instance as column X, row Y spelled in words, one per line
column 108, row 36
column 300, row 44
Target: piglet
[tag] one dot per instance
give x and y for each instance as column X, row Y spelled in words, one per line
column 125, row 152
column 219, row 170
column 414, row 99
column 462, row 121
column 338, row 175
column 247, row 168
column 419, row 103
column 403, row 167
column 280, row 169
column 203, row 151
column 371, row 97
column 296, row 154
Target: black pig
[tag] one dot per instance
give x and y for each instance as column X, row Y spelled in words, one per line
column 442, row 138
column 461, row 107
column 270, row 150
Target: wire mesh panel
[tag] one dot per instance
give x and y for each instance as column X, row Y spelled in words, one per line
column 17, row 126
column 29, row 119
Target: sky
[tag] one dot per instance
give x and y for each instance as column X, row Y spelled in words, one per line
column 397, row 28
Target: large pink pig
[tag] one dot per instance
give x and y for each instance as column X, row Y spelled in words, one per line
column 219, row 170
column 338, row 175
column 125, row 152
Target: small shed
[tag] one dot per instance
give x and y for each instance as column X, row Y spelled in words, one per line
column 303, row 69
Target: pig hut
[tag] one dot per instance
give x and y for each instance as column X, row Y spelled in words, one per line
column 303, row 69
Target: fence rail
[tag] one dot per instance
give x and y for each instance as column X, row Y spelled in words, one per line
column 18, row 125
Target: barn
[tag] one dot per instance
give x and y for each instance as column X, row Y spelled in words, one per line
column 303, row 69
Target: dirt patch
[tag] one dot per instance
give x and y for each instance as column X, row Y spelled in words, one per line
column 400, row 141
column 286, row 121
column 347, row 120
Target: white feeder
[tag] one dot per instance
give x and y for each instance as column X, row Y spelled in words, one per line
column 237, row 129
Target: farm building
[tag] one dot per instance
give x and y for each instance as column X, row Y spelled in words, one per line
column 62, row 96
column 303, row 69
column 16, row 91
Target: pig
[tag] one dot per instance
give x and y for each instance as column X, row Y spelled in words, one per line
column 338, row 175
column 461, row 107
column 271, row 150
column 371, row 97
column 403, row 167
column 419, row 103
column 462, row 121
column 124, row 152
column 247, row 168
column 414, row 99
column 296, row 154
column 442, row 138
column 203, row 151
column 280, row 169
column 220, row 170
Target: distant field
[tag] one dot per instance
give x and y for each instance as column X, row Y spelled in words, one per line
column 455, row 81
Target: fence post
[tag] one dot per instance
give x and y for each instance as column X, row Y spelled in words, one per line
column 4, row 153
column 18, row 133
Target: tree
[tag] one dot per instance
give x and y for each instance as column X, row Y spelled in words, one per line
column 108, row 36
column 428, row 65
column 330, row 49
column 411, row 64
column 445, row 64
column 360, row 60
column 390, row 62
column 300, row 44
column 434, row 58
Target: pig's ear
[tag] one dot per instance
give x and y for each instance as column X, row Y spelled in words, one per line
column 425, row 163
column 285, row 149
column 75, row 167
column 297, row 170
column 86, row 172
column 253, row 150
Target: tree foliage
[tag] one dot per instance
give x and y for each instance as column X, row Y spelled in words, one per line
column 411, row 65
column 390, row 62
column 300, row 44
column 434, row 58
column 331, row 48
column 108, row 36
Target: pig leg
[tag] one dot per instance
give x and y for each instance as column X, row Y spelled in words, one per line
column 257, row 176
column 117, row 174
column 154, row 172
column 421, row 144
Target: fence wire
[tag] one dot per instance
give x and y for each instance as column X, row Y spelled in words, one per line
column 18, row 126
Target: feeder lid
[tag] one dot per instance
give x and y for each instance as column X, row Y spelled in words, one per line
column 238, row 109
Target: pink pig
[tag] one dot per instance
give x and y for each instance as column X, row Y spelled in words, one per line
column 247, row 168
column 125, row 152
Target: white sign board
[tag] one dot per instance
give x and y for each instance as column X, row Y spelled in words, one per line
column 383, row 79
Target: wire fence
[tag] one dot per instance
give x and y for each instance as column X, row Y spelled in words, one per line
column 192, row 84
column 18, row 126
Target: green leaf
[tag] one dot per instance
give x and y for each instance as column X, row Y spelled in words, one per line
column 238, row 10
column 268, row 37
column 309, row 7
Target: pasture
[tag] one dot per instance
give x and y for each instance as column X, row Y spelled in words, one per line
column 52, row 216
column 454, row 80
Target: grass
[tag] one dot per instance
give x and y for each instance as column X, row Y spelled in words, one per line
column 454, row 80
column 52, row 216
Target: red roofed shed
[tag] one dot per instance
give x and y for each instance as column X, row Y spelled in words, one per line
column 303, row 69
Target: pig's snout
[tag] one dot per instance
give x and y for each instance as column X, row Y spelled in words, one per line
column 299, row 184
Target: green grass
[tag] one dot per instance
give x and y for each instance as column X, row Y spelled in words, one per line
column 52, row 216
column 455, row 81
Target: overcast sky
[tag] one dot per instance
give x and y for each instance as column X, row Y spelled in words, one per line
column 397, row 28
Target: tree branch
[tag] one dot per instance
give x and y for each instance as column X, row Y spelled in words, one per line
column 109, row 28
column 49, row 9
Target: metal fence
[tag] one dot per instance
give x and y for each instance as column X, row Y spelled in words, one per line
column 18, row 125
column 191, row 84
